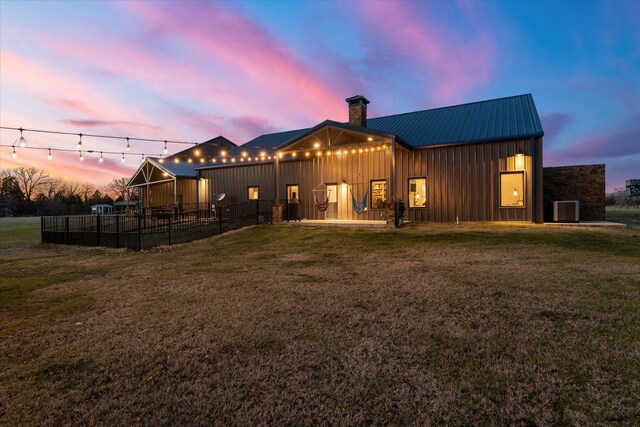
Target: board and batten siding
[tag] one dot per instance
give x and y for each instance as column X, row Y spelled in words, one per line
column 161, row 194
column 464, row 180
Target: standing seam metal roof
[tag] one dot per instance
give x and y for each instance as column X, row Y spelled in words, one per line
column 502, row 118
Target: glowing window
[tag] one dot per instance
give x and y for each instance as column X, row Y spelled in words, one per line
column 511, row 189
column 417, row 192
column 378, row 194
column 253, row 193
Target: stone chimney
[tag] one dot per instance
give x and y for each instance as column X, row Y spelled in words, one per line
column 358, row 110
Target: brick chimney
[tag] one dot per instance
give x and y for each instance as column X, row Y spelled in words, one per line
column 358, row 110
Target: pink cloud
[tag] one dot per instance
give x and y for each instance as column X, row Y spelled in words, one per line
column 451, row 64
column 257, row 59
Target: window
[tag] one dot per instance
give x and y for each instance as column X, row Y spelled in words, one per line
column 332, row 193
column 292, row 191
column 511, row 189
column 253, row 193
column 417, row 192
column 378, row 194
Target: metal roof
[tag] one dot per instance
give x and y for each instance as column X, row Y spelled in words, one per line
column 495, row 119
column 180, row 170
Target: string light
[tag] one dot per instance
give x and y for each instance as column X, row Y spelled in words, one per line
column 161, row 160
column 14, row 154
column 79, row 144
column 128, row 145
column 81, row 157
column 176, row 160
column 244, row 154
column 306, row 154
column 142, row 158
column 233, row 160
column 197, row 152
column 189, row 160
column 123, row 159
column 316, row 145
column 294, row 154
column 49, row 157
column 223, row 153
column 101, row 159
column 23, row 142
column 165, row 149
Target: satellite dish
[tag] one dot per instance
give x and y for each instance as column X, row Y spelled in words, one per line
column 219, row 197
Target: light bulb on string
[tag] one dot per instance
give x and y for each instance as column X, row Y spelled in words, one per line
column 165, row 149
column 142, row 158
column 81, row 157
column 23, row 142
column 123, row 159
column 101, row 159
column 128, row 145
column 49, row 157
column 14, row 154
column 79, row 144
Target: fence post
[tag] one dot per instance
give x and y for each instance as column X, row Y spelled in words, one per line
column 139, row 234
column 118, row 231
column 66, row 227
column 220, row 218
column 98, row 230
column 169, row 230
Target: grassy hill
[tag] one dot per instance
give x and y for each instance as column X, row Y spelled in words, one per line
column 434, row 323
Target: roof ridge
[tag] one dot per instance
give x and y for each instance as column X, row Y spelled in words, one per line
column 452, row 106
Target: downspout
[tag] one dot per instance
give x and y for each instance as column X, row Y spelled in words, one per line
column 175, row 190
column 534, row 193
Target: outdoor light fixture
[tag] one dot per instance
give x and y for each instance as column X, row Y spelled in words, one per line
column 79, row 144
column 23, row 142
column 101, row 159
column 14, row 154
column 81, row 157
column 49, row 157
column 128, row 145
column 519, row 161
column 123, row 159
column 515, row 194
column 165, row 150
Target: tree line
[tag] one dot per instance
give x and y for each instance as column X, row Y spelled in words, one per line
column 26, row 191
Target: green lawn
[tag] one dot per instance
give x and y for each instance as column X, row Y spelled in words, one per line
column 431, row 324
column 629, row 216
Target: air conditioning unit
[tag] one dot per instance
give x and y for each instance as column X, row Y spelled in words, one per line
column 566, row 211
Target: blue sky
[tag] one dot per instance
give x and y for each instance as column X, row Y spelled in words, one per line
column 194, row 70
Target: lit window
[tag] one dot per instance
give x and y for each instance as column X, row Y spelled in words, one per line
column 511, row 189
column 292, row 191
column 253, row 193
column 332, row 193
column 417, row 192
column 378, row 194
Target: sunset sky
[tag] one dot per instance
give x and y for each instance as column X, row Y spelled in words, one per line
column 194, row 70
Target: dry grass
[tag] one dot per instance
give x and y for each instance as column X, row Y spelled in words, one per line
column 476, row 324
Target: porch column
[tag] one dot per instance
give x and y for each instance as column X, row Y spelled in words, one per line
column 175, row 190
column 394, row 191
column 276, row 177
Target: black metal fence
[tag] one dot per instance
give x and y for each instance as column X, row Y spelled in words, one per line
column 147, row 231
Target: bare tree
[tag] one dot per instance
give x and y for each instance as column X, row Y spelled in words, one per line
column 30, row 180
column 86, row 190
column 118, row 187
column 52, row 187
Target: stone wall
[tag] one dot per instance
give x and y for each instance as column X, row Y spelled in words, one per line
column 584, row 183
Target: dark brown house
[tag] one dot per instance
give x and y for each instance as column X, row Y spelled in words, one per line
column 474, row 162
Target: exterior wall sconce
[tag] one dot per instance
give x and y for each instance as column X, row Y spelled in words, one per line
column 519, row 161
